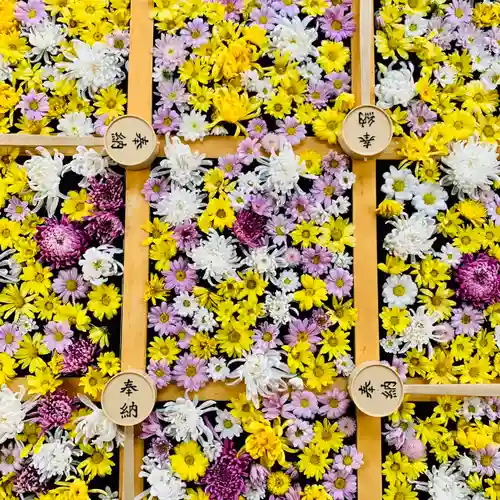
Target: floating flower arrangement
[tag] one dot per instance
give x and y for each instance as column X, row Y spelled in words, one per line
column 250, row 269
column 295, row 447
column 274, row 69
column 62, row 65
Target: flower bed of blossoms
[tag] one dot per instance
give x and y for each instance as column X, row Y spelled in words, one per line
column 62, row 65
column 294, row 447
column 56, row 447
column 439, row 68
column 250, row 266
column 449, row 449
column 273, row 68
column 60, row 286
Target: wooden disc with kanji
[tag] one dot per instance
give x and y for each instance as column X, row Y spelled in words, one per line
column 128, row 398
column 376, row 389
column 366, row 131
column 131, row 142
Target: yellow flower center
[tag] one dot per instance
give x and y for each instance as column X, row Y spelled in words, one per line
column 191, row 371
column 71, row 285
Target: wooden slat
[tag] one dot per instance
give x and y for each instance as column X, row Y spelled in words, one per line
column 134, row 321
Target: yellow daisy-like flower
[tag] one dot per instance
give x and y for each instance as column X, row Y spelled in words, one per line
column 188, row 461
column 104, row 301
column 313, row 461
column 77, row 206
column 313, row 292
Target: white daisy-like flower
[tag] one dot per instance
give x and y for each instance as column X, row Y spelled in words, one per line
column 411, row 236
column 277, row 306
column 193, row 126
column 75, row 124
column 450, row 255
column 88, row 163
column 445, row 483
column 254, row 493
column 179, row 205
column 399, row 184
column 429, row 198
column 185, row 304
column 415, row 26
column 288, row 281
column 44, row 176
column 280, row 173
column 481, row 58
column 399, row 291
column 216, row 257
column 396, row 86
column 471, row 167
column 391, row 344
column 204, row 320
column 491, row 77
column 227, row 426
column 264, row 89
column 263, row 374
column 26, row 325
column 344, row 365
column 294, row 36
column 56, row 456
column 422, row 329
column 93, row 67
column 343, row 260
column 46, row 39
column 472, row 408
column 98, row 264
column 181, row 164
column 445, row 75
column 217, row 369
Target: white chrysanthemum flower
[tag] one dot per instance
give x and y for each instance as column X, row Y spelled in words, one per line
column 411, row 236
column 391, row 344
column 44, row 176
column 179, row 205
column 254, row 493
column 294, row 36
column 164, row 485
column 472, row 408
column 93, row 67
column 194, row 126
column 445, row 483
column 186, row 304
column 399, row 184
column 98, row 264
column 181, row 164
column 46, row 39
column 266, row 260
column 450, row 255
column 491, row 77
column 422, row 329
column 445, row 75
column 184, row 419
column 280, row 173
column 5, row 70
column 415, row 26
column 26, row 325
column 228, row 427
column 310, row 71
column 263, row 374
column 10, row 269
column 249, row 182
column 399, row 291
column 217, row 369
column 344, row 365
column 429, row 198
column 216, row 257
column 278, row 307
column 481, row 58
column 56, row 456
column 396, row 86
column 96, row 428
column 75, row 124
column 89, row 163
column 204, row 320
column 12, row 413
column 471, row 167
column 339, row 206
column 465, row 464
column 264, row 89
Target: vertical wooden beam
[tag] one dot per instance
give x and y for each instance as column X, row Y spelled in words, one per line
column 134, row 322
column 369, row 439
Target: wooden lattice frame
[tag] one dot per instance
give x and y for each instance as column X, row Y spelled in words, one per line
column 134, row 312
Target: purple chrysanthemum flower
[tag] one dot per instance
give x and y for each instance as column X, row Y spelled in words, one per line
column 10, row 338
column 103, row 227
column 160, row 449
column 265, row 17
column 340, row 484
column 154, row 188
column 325, row 188
column 334, row 161
column 341, row 82
column 17, row 210
column 106, row 194
column 163, row 319
column 30, row 12
column 34, row 105
column 172, row 93
column 169, row 51
column 349, row 459
column 319, row 94
column 58, row 336
column 78, row 356
column 180, row 277
column 333, row 403
column 186, row 236
column 225, row 478
column 61, row 243
column 249, row 228
column 305, row 330
column 420, row 117
column 300, row 433
column 258, row 475
column 459, row 12
column 54, row 410
column 151, row 426
column 316, row 261
column 337, row 23
column 166, row 121
column 487, row 460
column 274, row 406
column 339, row 282
column 466, row 320
column 27, row 481
column 478, row 279
column 70, row 285
column 249, row 150
column 304, row 404
column 299, row 208
column 347, row 425
column 266, row 337
column 257, row 128
column 190, row 372
column 413, row 448
column 262, row 205
column 291, row 129
column 196, row 33
column 231, row 165
column 160, row 372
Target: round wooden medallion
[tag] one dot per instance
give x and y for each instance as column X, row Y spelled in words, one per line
column 128, row 398
column 131, row 142
column 376, row 389
column 366, row 131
